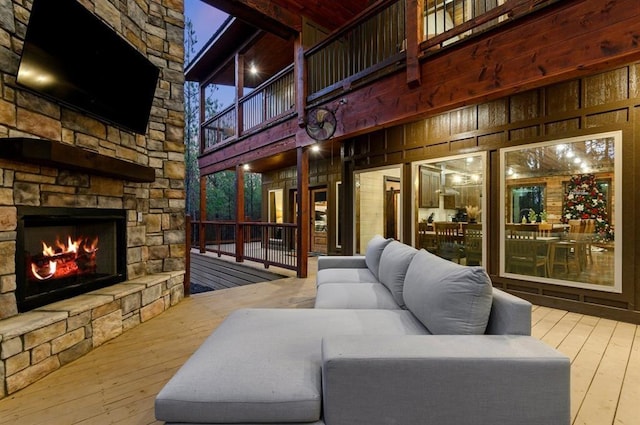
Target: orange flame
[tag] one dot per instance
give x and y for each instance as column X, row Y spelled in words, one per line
column 62, row 257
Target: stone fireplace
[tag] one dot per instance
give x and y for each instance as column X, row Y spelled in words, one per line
column 38, row 334
column 64, row 252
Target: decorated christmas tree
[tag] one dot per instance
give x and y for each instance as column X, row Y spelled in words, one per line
column 583, row 201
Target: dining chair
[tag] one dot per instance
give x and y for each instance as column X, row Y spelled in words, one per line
column 449, row 240
column 473, row 244
column 525, row 253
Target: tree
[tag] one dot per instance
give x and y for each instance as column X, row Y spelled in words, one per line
column 192, row 124
column 583, row 201
column 253, row 196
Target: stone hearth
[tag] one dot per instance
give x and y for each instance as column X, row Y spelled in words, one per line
column 42, row 340
column 34, row 343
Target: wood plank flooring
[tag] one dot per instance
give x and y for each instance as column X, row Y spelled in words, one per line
column 117, row 382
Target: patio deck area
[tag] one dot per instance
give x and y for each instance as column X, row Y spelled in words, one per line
column 117, row 382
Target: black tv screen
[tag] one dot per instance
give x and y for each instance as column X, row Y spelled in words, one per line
column 74, row 58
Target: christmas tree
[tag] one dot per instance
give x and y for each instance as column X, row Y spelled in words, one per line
column 584, row 201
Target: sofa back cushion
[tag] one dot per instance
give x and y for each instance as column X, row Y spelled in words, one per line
column 394, row 263
column 449, row 299
column 374, row 251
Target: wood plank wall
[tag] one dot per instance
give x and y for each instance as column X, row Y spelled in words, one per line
column 323, row 172
column 605, row 101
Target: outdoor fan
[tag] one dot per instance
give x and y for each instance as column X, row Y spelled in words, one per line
column 321, row 124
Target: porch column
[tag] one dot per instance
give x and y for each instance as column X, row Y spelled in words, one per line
column 203, row 115
column 407, row 195
column 303, row 218
column 239, row 213
column 347, row 203
column 414, row 31
column 300, row 75
column 203, row 214
column 239, row 92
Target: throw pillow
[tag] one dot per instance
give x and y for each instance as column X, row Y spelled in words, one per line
column 448, row 298
column 374, row 250
column 394, row 262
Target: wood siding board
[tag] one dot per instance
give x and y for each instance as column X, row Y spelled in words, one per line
column 463, row 144
column 524, row 106
column 560, row 128
column 562, row 97
column 492, row 139
column 606, row 87
column 620, row 116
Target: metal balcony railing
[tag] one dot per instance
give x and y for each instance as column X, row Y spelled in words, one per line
column 271, row 244
column 369, row 43
column 220, row 128
column 270, row 100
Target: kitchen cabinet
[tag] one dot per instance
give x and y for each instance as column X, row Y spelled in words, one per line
column 429, row 188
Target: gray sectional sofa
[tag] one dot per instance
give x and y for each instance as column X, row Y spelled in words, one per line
column 397, row 336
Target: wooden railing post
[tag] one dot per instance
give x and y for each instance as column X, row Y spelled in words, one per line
column 186, row 283
column 239, row 213
column 304, row 218
column 300, row 81
column 239, row 93
column 413, row 34
column 202, row 234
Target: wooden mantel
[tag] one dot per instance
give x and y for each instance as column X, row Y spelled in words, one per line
column 55, row 154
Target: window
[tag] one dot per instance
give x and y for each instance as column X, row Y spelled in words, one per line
column 559, row 218
column 449, row 200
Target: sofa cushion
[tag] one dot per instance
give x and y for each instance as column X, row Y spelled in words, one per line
column 351, row 295
column 376, row 245
column 346, row 275
column 394, row 263
column 446, row 297
column 264, row 365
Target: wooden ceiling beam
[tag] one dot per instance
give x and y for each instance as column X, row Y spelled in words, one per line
column 262, row 14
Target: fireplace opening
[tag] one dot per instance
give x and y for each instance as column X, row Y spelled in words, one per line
column 64, row 252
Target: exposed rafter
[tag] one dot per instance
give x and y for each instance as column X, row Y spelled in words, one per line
column 264, row 15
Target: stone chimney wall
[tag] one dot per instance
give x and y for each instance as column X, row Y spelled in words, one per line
column 155, row 211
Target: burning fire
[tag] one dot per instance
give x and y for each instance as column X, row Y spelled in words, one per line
column 63, row 260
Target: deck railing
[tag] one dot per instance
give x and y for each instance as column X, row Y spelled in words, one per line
column 447, row 21
column 271, row 244
column 374, row 41
column 220, row 128
column 270, row 100
column 373, row 44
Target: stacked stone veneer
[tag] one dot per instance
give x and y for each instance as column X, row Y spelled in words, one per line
column 37, row 342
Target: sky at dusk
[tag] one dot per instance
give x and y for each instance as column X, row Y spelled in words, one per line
column 205, row 19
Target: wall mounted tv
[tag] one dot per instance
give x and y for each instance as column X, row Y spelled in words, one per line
column 74, row 58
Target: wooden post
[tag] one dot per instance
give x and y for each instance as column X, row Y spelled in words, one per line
column 303, row 219
column 239, row 93
column 300, row 77
column 239, row 213
column 414, row 31
column 186, row 284
column 407, row 213
column 203, row 100
column 347, row 204
column 203, row 214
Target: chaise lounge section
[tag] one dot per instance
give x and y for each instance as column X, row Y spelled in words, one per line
column 450, row 349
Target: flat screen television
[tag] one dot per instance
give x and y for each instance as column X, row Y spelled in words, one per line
column 74, row 58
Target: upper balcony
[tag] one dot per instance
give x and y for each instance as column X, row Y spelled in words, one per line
column 382, row 40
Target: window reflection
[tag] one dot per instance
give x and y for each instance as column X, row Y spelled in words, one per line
column 449, row 199
column 559, row 218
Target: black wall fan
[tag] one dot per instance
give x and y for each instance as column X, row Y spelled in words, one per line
column 321, row 123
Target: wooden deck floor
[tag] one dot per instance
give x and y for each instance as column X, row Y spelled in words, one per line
column 117, row 382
